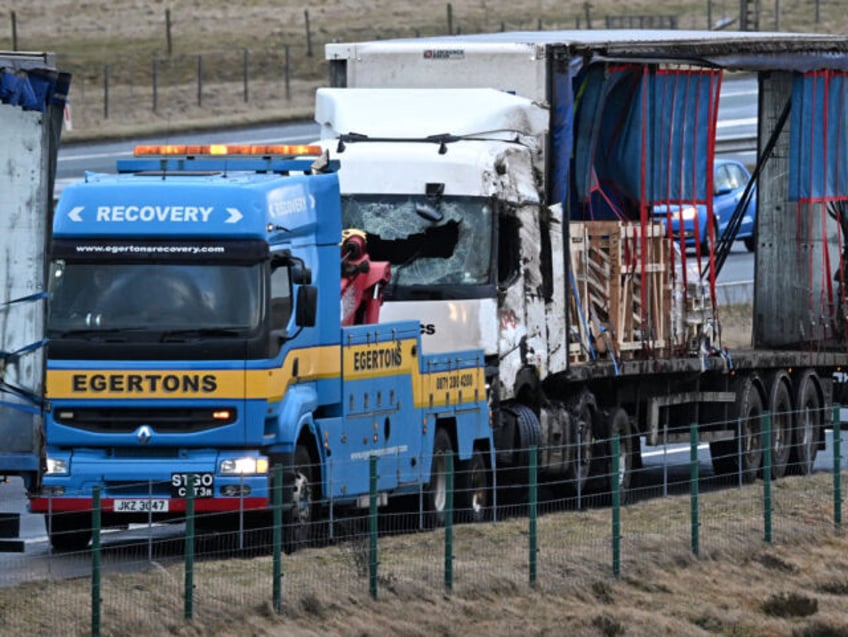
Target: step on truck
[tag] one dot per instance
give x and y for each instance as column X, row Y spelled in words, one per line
column 33, row 96
column 542, row 192
column 196, row 342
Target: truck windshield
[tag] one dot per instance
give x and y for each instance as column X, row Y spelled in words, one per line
column 452, row 245
column 153, row 296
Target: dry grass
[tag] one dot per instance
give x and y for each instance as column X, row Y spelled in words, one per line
column 737, row 586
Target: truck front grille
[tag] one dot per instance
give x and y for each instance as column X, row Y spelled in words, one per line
column 162, row 420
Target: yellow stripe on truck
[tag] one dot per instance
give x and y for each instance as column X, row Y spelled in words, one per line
column 358, row 362
column 269, row 384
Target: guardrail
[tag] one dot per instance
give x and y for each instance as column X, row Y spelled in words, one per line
column 740, row 144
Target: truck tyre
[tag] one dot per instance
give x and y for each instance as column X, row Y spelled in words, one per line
column 437, row 489
column 747, row 443
column 69, row 531
column 583, row 411
column 299, row 520
column 474, row 496
column 808, row 424
column 618, row 423
column 750, row 418
column 529, row 434
column 780, row 408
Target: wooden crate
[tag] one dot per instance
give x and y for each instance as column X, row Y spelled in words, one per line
column 619, row 303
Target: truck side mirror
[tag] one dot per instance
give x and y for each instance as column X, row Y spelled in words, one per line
column 306, row 309
column 300, row 274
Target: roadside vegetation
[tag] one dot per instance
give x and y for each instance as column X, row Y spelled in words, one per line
column 738, row 585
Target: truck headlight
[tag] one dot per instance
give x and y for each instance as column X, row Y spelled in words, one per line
column 244, row 466
column 57, row 466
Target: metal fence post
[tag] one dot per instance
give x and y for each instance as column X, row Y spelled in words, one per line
column 200, row 80
column 739, row 481
column 449, row 482
column 95, row 563
column 105, row 91
column 837, row 466
column 150, row 522
column 372, row 528
column 189, row 549
column 278, row 539
column 287, row 67
column 693, row 477
column 331, row 512
column 533, row 495
column 616, row 507
column 766, row 442
column 49, row 532
column 308, row 33
column 245, row 70
column 155, row 82
column 579, row 471
column 665, row 460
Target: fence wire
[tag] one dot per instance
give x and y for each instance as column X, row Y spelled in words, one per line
column 149, row 581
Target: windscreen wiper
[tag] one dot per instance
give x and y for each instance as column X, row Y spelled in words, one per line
column 198, row 332
column 106, row 333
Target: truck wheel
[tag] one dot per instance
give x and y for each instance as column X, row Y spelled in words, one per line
column 725, row 454
column 473, row 479
column 780, row 407
column 807, row 425
column 437, row 489
column 583, row 411
column 750, row 418
column 299, row 519
column 750, row 243
column 619, row 423
column 69, row 531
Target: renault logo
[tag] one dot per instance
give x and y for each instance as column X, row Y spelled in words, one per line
column 144, row 434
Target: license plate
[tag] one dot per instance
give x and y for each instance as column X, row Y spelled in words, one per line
column 140, row 505
column 203, row 483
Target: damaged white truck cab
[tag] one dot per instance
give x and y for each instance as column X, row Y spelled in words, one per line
column 444, row 218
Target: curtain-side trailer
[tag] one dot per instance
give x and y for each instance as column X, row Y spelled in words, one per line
column 524, row 220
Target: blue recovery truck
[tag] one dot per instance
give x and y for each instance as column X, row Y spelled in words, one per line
column 195, row 342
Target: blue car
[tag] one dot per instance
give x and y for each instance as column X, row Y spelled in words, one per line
column 730, row 179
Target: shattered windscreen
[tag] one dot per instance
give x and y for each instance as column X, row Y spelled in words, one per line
column 428, row 241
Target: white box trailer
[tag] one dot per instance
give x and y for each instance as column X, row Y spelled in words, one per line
column 32, row 99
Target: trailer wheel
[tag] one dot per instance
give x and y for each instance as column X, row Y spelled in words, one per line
column 747, row 443
column 473, row 494
column 807, row 425
column 299, row 519
column 780, row 407
column 583, row 411
column 437, row 489
column 69, row 531
column 750, row 416
column 619, row 424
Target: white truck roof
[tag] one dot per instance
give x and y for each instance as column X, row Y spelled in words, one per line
column 404, row 113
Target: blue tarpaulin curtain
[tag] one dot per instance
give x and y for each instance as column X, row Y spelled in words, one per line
column 643, row 136
column 818, row 166
column 33, row 90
